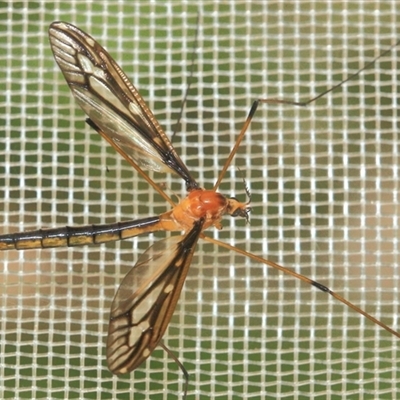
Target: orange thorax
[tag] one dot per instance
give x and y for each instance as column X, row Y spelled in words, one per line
column 198, row 204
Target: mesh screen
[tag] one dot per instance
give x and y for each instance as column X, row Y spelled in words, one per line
column 324, row 183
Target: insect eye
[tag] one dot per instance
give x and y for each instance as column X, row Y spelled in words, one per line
column 241, row 212
column 237, row 213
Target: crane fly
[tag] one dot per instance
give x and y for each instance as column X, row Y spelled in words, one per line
column 147, row 296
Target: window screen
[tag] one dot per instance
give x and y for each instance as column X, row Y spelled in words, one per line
column 324, row 181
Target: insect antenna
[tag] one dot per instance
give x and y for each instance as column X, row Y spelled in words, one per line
column 246, row 187
column 257, row 102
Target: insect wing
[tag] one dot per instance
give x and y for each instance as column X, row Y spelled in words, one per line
column 113, row 104
column 146, row 300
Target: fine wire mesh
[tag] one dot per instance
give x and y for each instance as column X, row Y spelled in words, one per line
column 324, row 184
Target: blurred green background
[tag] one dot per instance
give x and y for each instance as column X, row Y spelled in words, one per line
column 324, row 183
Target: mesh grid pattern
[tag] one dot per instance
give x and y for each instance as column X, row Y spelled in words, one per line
column 324, row 183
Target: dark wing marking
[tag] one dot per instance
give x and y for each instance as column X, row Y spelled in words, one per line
column 113, row 104
column 146, row 300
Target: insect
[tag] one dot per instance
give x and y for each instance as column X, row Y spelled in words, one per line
column 147, row 296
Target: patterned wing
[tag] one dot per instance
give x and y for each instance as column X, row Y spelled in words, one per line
column 146, row 300
column 112, row 103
